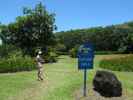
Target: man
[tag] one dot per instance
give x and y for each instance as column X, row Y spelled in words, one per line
column 40, row 63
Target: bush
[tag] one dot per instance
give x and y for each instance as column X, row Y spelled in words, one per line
column 16, row 63
column 49, row 54
column 51, row 57
column 73, row 52
column 124, row 63
column 60, row 47
column 6, row 49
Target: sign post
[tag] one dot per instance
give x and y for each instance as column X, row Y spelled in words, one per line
column 85, row 60
column 85, row 71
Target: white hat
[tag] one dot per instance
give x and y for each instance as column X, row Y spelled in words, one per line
column 40, row 52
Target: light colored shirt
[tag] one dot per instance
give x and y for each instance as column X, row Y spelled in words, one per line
column 38, row 59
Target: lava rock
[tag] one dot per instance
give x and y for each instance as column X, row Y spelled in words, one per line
column 107, row 84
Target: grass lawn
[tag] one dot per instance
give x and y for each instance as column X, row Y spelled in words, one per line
column 62, row 80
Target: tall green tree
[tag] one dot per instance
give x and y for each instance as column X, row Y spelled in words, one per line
column 34, row 29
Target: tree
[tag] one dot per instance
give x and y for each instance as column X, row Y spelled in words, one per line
column 110, row 38
column 33, row 30
column 4, row 33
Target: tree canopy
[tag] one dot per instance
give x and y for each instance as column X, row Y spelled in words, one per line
column 109, row 38
column 33, row 30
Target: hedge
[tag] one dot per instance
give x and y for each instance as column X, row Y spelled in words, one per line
column 16, row 64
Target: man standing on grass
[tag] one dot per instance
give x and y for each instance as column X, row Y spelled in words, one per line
column 40, row 62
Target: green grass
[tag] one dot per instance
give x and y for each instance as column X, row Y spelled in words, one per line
column 121, row 63
column 62, row 80
column 12, row 84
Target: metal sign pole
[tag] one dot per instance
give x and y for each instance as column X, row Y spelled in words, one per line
column 85, row 61
column 84, row 93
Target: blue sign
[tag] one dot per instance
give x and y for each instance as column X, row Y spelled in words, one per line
column 85, row 56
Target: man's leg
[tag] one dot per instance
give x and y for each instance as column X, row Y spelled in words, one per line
column 41, row 73
column 38, row 75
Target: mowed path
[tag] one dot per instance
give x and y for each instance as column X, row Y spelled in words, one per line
column 62, row 80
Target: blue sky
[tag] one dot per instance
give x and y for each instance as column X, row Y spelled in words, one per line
column 73, row 14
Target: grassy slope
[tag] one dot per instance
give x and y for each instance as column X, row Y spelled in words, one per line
column 62, row 80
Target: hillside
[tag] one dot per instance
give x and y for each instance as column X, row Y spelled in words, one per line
column 110, row 38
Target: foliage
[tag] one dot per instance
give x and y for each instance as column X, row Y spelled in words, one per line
column 34, row 29
column 5, row 50
column 4, row 34
column 60, row 49
column 50, row 55
column 73, row 52
column 124, row 63
column 69, row 39
column 109, row 38
column 1, row 37
column 16, row 62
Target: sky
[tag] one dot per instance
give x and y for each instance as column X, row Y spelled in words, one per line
column 73, row 14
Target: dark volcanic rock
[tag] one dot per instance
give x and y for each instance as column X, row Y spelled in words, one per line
column 107, row 84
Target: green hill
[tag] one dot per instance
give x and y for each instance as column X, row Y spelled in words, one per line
column 110, row 38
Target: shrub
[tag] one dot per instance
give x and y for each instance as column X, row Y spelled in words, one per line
column 124, row 63
column 60, row 47
column 16, row 63
column 50, row 57
column 73, row 52
column 6, row 49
